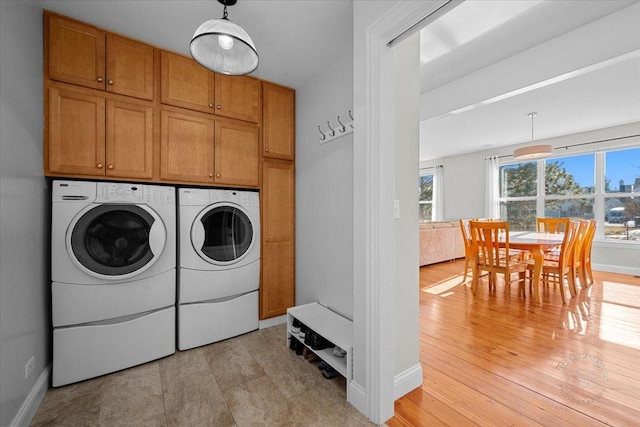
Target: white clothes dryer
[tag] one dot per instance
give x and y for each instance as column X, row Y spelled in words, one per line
column 218, row 264
column 113, row 270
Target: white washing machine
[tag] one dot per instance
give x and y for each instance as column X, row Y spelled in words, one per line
column 218, row 265
column 113, row 272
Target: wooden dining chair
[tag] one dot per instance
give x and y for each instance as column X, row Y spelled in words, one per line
column 561, row 267
column 584, row 271
column 490, row 246
column 576, row 256
column 468, row 253
column 552, row 225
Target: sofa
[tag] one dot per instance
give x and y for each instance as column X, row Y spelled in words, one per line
column 440, row 241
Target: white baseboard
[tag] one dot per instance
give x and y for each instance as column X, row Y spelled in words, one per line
column 273, row 321
column 616, row 269
column 407, row 381
column 358, row 397
column 34, row 399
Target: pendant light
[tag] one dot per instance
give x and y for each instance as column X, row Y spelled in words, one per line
column 224, row 47
column 533, row 151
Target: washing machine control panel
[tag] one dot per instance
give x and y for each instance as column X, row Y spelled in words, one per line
column 112, row 192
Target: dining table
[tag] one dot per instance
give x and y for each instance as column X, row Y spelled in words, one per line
column 536, row 243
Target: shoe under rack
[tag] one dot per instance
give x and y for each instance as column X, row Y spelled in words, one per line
column 335, row 329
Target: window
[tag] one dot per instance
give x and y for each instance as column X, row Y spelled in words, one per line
column 425, row 212
column 603, row 185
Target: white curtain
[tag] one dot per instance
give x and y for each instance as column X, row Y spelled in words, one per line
column 438, row 194
column 492, row 189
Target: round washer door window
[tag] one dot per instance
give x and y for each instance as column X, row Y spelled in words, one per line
column 114, row 241
column 222, row 234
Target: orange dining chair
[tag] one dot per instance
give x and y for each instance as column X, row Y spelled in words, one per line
column 552, row 225
column 584, row 271
column 561, row 267
column 576, row 256
column 466, row 238
column 489, row 244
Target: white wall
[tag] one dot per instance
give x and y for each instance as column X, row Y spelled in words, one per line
column 406, row 247
column 24, row 217
column 464, row 197
column 324, row 187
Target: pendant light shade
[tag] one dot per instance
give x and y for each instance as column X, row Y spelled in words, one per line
column 533, row 151
column 224, row 47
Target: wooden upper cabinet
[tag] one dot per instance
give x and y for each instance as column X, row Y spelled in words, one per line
column 76, row 132
column 186, row 147
column 236, row 154
column 129, row 140
column 237, row 97
column 76, row 54
column 185, row 83
column 89, row 135
column 278, row 121
column 129, row 67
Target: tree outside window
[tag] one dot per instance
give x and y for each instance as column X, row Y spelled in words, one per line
column 426, row 197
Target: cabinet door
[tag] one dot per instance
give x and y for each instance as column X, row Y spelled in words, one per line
column 236, row 154
column 186, row 148
column 185, row 83
column 278, row 121
column 76, row 132
column 129, row 67
column 238, row 97
column 129, row 140
column 76, row 53
column 277, row 290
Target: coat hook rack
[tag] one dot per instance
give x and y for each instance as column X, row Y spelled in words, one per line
column 338, row 131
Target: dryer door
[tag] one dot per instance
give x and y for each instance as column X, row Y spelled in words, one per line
column 115, row 241
column 222, row 234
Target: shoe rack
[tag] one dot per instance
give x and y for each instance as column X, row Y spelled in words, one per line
column 331, row 326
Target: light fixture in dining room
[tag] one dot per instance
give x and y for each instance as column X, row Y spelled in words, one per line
column 533, row 151
column 224, row 47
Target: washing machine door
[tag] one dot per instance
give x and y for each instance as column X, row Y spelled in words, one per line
column 222, row 234
column 115, row 241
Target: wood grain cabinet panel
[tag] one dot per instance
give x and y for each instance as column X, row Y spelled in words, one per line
column 237, row 97
column 129, row 67
column 277, row 290
column 76, row 52
column 185, row 83
column 76, row 133
column 278, row 121
column 186, row 148
column 129, row 140
column 236, row 154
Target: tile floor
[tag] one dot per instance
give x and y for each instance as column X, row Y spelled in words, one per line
column 251, row 380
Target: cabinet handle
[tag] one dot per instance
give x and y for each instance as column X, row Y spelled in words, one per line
column 210, row 175
column 210, row 105
column 266, row 149
column 110, row 81
column 218, row 106
column 99, row 79
column 99, row 165
column 266, row 240
column 217, row 175
column 110, row 167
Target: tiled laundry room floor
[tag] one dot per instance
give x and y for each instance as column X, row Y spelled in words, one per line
column 250, row 380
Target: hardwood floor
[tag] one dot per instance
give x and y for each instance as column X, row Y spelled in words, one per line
column 497, row 359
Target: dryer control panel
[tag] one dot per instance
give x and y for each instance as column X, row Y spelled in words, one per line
column 111, row 192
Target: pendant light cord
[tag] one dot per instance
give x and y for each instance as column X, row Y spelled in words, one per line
column 224, row 13
column 532, row 115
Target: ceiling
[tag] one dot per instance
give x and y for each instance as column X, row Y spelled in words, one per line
column 488, row 41
column 295, row 38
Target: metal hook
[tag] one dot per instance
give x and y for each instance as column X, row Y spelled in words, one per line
column 322, row 134
column 341, row 128
column 351, row 115
column 333, row 132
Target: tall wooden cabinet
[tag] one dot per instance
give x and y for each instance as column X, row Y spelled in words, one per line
column 277, row 292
